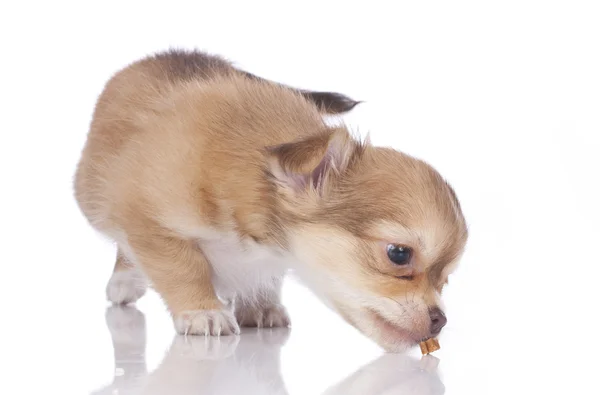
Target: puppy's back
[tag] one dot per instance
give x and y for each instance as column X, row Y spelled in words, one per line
column 163, row 121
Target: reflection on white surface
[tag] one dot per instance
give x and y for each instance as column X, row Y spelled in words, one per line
column 248, row 364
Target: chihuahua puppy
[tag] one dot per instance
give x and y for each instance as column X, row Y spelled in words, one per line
column 214, row 183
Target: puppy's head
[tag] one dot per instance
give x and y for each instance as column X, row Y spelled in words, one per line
column 377, row 233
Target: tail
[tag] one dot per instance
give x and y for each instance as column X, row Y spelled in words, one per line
column 328, row 102
column 183, row 65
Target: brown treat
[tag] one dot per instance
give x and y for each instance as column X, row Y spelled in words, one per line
column 428, row 346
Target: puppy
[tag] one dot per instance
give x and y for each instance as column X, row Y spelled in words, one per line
column 214, row 183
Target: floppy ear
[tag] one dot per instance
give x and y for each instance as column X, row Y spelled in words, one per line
column 310, row 163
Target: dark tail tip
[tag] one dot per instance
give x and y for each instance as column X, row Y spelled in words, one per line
column 328, row 102
column 331, row 102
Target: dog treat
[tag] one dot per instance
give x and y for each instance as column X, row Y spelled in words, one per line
column 430, row 345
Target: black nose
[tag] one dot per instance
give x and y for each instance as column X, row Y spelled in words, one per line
column 438, row 320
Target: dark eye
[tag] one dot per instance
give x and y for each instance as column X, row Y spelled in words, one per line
column 398, row 254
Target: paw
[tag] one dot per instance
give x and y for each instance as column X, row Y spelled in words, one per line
column 206, row 322
column 126, row 286
column 262, row 317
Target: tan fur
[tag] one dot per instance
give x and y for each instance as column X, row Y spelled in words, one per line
column 184, row 154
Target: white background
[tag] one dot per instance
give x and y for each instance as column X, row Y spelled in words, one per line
column 503, row 98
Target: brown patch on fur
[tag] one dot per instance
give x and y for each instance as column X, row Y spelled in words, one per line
column 188, row 65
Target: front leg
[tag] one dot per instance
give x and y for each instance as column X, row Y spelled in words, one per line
column 264, row 308
column 182, row 276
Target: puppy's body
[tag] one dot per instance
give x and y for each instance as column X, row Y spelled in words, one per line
column 214, row 182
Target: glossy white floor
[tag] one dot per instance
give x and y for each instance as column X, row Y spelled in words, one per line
column 502, row 97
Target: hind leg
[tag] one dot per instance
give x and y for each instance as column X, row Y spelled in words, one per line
column 127, row 283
